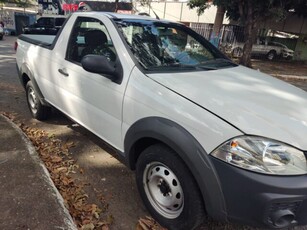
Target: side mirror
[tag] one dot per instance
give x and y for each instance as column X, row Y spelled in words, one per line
column 101, row 65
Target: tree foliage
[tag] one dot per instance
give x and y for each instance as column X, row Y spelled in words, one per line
column 250, row 13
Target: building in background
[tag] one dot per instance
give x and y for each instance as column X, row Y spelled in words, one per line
column 15, row 18
column 292, row 32
column 66, row 7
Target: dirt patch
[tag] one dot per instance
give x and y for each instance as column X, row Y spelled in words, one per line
column 281, row 67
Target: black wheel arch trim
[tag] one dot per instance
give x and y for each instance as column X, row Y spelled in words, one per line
column 24, row 69
column 188, row 148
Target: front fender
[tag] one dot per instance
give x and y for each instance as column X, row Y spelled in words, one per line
column 188, row 148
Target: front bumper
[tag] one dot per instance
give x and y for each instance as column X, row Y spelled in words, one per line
column 262, row 200
column 287, row 55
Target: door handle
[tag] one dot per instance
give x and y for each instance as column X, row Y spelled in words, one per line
column 63, row 71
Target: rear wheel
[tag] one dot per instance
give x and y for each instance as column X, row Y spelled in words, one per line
column 271, row 55
column 38, row 111
column 168, row 189
column 237, row 52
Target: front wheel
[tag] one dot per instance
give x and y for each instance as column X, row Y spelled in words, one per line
column 37, row 109
column 168, row 188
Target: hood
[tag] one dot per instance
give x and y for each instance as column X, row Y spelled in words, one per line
column 255, row 103
column 288, row 50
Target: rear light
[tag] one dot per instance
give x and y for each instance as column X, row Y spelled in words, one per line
column 15, row 46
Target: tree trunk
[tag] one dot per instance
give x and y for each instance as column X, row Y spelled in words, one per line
column 250, row 35
column 218, row 23
column 116, row 6
column 250, row 38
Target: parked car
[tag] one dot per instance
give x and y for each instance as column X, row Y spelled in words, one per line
column 270, row 50
column 45, row 25
column 1, row 32
column 204, row 135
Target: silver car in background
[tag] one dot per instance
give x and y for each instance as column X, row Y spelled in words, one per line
column 270, row 50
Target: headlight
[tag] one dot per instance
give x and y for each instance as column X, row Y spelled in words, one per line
column 262, row 155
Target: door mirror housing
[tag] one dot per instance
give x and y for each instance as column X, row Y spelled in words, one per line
column 101, row 65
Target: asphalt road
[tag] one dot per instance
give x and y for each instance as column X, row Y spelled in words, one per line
column 105, row 175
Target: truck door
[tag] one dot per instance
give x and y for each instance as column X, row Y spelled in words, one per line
column 258, row 48
column 91, row 99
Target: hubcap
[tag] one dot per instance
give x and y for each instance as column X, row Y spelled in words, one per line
column 271, row 56
column 32, row 100
column 237, row 52
column 163, row 190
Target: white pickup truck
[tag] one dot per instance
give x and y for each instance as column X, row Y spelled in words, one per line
column 205, row 135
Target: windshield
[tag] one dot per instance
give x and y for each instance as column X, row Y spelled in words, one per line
column 159, row 46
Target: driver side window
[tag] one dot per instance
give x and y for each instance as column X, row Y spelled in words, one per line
column 89, row 36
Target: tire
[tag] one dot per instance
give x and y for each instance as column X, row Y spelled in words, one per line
column 38, row 111
column 288, row 58
column 271, row 55
column 237, row 52
column 168, row 189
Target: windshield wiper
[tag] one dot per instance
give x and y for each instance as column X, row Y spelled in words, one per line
column 177, row 64
column 217, row 60
column 201, row 66
column 217, row 63
column 172, row 66
column 220, row 61
column 182, row 67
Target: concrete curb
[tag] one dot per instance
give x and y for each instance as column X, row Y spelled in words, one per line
column 46, row 176
column 290, row 77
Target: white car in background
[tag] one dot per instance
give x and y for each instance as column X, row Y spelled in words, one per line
column 271, row 50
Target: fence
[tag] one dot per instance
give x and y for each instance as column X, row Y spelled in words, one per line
column 231, row 42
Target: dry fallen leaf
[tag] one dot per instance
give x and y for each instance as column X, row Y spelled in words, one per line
column 69, row 145
column 148, row 223
column 56, row 159
column 60, row 165
column 90, row 226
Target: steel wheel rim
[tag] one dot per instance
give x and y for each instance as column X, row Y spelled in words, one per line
column 163, row 190
column 271, row 56
column 32, row 100
column 237, row 52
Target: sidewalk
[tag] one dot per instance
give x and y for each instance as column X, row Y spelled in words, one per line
column 29, row 200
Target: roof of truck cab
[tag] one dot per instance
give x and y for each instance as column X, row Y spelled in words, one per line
column 120, row 16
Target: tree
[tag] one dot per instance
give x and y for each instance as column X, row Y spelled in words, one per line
column 218, row 23
column 19, row 3
column 250, row 14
